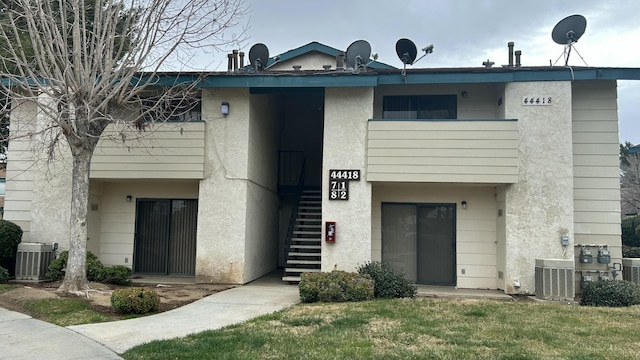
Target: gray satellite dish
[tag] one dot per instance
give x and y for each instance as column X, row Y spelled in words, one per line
column 407, row 51
column 358, row 54
column 567, row 32
column 569, row 29
column 259, row 56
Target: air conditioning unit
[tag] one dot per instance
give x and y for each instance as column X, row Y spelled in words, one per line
column 631, row 270
column 555, row 279
column 32, row 261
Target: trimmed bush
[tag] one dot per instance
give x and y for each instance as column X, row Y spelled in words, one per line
column 95, row 269
column 117, row 274
column 4, row 275
column 335, row 286
column 10, row 237
column 612, row 293
column 630, row 251
column 135, row 301
column 388, row 283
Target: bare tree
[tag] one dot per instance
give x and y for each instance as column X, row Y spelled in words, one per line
column 630, row 184
column 81, row 61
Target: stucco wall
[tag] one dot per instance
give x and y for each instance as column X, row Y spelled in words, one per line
column 347, row 111
column 539, row 208
column 262, row 192
column 310, row 61
column 222, row 214
column 475, row 225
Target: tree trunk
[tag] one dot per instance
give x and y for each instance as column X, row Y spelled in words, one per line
column 75, row 279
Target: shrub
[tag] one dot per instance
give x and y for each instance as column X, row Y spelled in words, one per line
column 631, row 236
column 630, row 251
column 335, row 286
column 95, row 269
column 135, row 301
column 118, row 275
column 10, row 237
column 388, row 283
column 611, row 293
column 4, row 275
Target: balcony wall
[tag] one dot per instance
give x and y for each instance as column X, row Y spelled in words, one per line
column 166, row 151
column 443, row 151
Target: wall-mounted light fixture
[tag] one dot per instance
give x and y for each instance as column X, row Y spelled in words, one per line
column 464, row 204
column 464, row 94
column 224, row 108
column 129, row 197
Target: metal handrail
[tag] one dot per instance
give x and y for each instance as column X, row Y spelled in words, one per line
column 294, row 213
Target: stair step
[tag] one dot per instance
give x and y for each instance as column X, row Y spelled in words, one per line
column 291, row 278
column 313, row 226
column 303, row 262
column 300, row 270
column 296, row 246
column 305, row 232
column 306, row 238
column 303, row 254
column 309, row 219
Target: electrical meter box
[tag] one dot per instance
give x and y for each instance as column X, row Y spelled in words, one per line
column 604, row 257
column 586, row 257
column 586, row 279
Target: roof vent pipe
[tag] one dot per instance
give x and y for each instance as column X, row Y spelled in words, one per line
column 235, row 60
column 297, row 67
column 518, row 54
column 510, row 44
column 241, row 60
column 340, row 61
column 229, row 63
column 326, row 67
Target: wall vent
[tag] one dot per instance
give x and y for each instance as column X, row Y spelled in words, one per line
column 631, row 270
column 32, row 261
column 555, row 279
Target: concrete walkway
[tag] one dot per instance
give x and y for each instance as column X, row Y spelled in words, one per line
column 22, row 337
column 225, row 308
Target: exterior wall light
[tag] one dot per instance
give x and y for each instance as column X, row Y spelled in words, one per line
column 224, row 109
column 464, row 204
column 129, row 198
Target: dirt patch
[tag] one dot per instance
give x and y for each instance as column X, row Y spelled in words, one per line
column 99, row 297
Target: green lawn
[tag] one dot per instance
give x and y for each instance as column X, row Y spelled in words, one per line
column 417, row 329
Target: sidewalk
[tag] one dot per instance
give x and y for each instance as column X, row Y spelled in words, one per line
column 225, row 308
column 22, row 337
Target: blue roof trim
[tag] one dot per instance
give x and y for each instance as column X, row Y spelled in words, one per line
column 318, row 47
column 442, row 120
column 288, row 81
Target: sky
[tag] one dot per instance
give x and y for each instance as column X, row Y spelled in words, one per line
column 464, row 33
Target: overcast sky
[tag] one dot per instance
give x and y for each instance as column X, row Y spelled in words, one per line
column 463, row 32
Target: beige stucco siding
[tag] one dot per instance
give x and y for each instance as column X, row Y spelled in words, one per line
column 596, row 166
column 163, row 151
column 475, row 225
column 261, row 239
column 443, row 151
column 347, row 111
column 539, row 207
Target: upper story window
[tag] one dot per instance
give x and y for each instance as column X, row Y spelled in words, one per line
column 420, row 107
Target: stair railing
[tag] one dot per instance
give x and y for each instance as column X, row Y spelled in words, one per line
column 294, row 213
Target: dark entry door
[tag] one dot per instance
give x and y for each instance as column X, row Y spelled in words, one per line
column 165, row 241
column 419, row 239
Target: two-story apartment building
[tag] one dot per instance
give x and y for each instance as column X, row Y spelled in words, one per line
column 457, row 176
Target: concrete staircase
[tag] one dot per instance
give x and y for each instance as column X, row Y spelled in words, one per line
column 304, row 250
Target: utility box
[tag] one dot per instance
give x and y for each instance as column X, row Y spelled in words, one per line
column 631, row 270
column 604, row 256
column 32, row 261
column 555, row 279
column 586, row 256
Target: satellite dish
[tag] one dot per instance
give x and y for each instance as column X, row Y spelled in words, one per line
column 259, row 56
column 569, row 29
column 567, row 32
column 358, row 54
column 406, row 50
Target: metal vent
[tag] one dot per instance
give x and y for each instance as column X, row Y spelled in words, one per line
column 631, row 270
column 32, row 261
column 554, row 279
